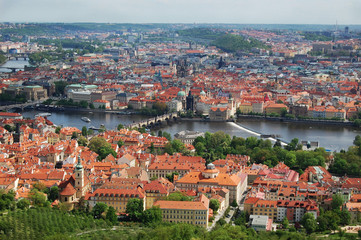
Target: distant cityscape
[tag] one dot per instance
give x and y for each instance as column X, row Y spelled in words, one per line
column 138, row 174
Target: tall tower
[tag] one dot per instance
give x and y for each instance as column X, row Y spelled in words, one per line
column 79, row 178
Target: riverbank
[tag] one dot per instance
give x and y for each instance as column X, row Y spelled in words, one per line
column 302, row 121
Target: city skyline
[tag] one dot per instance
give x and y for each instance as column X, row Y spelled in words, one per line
column 186, row 11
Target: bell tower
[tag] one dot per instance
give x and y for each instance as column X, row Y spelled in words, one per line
column 79, row 178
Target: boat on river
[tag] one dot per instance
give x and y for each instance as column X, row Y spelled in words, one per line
column 46, row 114
column 85, row 119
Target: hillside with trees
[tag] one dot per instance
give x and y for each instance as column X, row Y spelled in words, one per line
column 234, row 43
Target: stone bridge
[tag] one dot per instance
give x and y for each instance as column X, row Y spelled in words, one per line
column 151, row 122
column 19, row 106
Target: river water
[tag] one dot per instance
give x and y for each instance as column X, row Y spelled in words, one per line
column 330, row 137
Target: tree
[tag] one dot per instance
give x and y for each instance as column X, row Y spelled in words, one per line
column 178, row 196
column 120, row 143
column 308, row 221
column 151, row 148
column 152, row 215
column 167, row 136
column 38, row 199
column 234, row 203
column 170, row 177
column 82, row 141
column 84, row 131
column 120, row 126
column 134, row 209
column 57, row 129
column 285, row 223
column 111, row 215
column 53, row 194
column 99, row 209
column 337, row 201
column 40, row 186
column 65, row 206
column 101, row 147
column 23, row 204
column 214, row 205
column 74, row 135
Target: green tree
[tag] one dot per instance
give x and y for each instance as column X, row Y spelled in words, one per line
column 38, row 199
column 152, row 215
column 53, row 194
column 337, row 201
column 214, row 205
column 151, row 148
column 134, row 209
column 178, row 196
column 120, row 143
column 285, row 223
column 74, row 135
column 99, row 209
column 309, row 223
column 23, row 204
column 170, row 177
column 84, row 131
column 39, row 185
column 167, row 136
column 82, row 141
column 111, row 215
column 57, row 129
column 120, row 126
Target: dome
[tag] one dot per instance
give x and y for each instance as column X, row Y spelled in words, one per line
column 181, row 94
column 203, row 93
column 211, row 166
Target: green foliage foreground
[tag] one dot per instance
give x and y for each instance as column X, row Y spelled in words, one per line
column 45, row 223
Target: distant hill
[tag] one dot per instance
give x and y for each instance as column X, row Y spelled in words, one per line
column 234, row 43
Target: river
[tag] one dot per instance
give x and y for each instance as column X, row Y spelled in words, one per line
column 329, row 136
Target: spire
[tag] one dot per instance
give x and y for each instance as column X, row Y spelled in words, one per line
column 78, row 165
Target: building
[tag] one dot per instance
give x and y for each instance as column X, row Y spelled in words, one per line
column 104, row 104
column 219, row 114
column 34, row 93
column 266, row 207
column 117, row 198
column 78, row 96
column 72, row 189
column 188, row 137
column 166, row 164
column 260, row 223
column 195, row 213
column 212, row 178
column 157, row 190
column 10, row 115
column 294, row 210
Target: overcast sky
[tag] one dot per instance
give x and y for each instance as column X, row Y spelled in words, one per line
column 183, row 11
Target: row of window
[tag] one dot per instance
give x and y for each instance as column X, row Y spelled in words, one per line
column 184, row 212
column 184, row 217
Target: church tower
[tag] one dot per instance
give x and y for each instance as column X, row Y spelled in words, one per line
column 79, row 178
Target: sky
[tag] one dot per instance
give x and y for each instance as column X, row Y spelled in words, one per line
column 183, row 11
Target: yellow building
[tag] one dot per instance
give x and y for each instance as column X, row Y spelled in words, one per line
column 275, row 108
column 117, row 198
column 157, row 190
column 266, row 207
column 245, row 107
column 195, row 213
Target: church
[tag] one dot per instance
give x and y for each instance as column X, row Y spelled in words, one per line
column 75, row 187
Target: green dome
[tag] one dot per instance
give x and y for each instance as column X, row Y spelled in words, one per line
column 203, row 93
column 181, row 94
